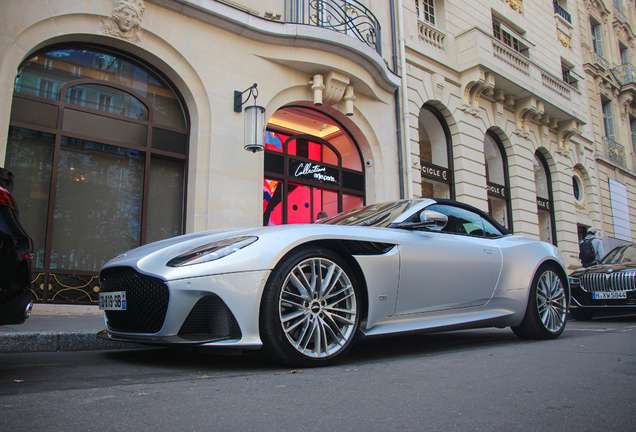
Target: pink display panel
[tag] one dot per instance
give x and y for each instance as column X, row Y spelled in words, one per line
column 298, row 204
column 272, row 202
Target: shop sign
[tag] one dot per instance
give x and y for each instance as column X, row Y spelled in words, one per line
column 435, row 172
column 544, row 204
column 496, row 190
column 314, row 172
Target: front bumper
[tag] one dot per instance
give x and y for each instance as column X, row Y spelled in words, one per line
column 220, row 310
column 585, row 299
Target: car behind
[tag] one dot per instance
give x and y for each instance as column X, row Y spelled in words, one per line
column 16, row 252
column 609, row 286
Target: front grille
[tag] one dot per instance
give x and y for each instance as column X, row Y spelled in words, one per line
column 210, row 319
column 146, row 300
column 609, row 282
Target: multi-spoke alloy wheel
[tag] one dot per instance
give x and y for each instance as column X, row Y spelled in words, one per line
column 310, row 309
column 551, row 301
column 317, row 307
column 547, row 307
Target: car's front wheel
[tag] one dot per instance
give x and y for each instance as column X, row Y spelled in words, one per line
column 310, row 309
column 547, row 307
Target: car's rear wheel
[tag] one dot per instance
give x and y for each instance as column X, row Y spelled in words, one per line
column 547, row 307
column 582, row 314
column 310, row 309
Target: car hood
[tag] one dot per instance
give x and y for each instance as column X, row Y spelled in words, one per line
column 607, row 268
column 272, row 243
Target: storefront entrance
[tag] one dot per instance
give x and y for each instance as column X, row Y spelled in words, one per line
column 313, row 168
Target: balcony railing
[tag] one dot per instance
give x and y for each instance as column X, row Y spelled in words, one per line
column 615, row 151
column 625, row 74
column 619, row 14
column 562, row 12
column 600, row 60
column 343, row 16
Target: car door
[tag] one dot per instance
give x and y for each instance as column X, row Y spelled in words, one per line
column 455, row 267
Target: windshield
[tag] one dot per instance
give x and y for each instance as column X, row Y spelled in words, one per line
column 621, row 254
column 376, row 215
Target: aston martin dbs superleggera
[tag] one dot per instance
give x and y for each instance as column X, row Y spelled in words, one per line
column 304, row 293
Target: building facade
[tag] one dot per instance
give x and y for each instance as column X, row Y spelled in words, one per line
column 607, row 40
column 119, row 120
column 504, row 81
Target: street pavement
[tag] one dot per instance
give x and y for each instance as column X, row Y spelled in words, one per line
column 48, row 333
column 463, row 381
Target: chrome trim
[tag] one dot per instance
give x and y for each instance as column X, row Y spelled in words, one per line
column 607, row 282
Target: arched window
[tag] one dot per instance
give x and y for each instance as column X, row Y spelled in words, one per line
column 98, row 144
column 435, row 154
column 313, row 168
column 497, row 180
column 545, row 208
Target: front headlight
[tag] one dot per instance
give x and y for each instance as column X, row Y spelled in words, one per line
column 574, row 281
column 211, row 251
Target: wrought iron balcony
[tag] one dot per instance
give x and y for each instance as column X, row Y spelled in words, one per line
column 343, row 16
column 619, row 14
column 562, row 12
column 600, row 60
column 625, row 74
column 615, row 151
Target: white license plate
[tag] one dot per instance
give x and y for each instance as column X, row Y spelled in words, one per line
column 112, row 300
column 609, row 295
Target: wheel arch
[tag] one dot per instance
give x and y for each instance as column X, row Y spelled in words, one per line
column 344, row 249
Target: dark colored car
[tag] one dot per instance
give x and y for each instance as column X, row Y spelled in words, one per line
column 16, row 252
column 609, row 286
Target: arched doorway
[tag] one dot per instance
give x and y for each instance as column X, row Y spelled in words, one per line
column 435, row 154
column 545, row 207
column 98, row 144
column 497, row 180
column 312, row 165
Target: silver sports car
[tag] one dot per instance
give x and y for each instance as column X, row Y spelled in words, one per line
column 304, row 293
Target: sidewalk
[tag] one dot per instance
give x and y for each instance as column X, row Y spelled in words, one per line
column 64, row 330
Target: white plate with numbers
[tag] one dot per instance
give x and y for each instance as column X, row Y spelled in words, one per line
column 609, row 295
column 112, row 300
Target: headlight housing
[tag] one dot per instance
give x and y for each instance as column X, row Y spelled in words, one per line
column 211, row 251
column 574, row 281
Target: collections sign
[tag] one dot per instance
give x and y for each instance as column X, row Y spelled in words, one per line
column 435, row 172
column 544, row 204
column 314, row 172
column 496, row 190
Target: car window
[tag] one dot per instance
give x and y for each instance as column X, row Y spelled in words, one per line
column 490, row 231
column 621, row 254
column 460, row 221
column 377, row 215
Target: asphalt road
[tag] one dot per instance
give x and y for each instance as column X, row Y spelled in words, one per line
column 480, row 380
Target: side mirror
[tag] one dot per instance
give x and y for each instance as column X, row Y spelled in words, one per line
column 433, row 220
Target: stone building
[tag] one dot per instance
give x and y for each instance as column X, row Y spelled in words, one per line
column 118, row 120
column 503, row 82
column 607, row 41
column 128, row 121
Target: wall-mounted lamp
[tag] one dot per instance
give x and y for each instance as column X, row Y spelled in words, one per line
column 254, row 119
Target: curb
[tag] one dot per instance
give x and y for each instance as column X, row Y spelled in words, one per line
column 58, row 341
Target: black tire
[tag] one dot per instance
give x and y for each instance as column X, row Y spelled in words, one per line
column 581, row 314
column 306, row 327
column 547, row 307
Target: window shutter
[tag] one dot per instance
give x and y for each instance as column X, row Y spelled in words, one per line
column 618, row 4
column 608, row 116
column 598, row 40
column 625, row 56
column 633, row 125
